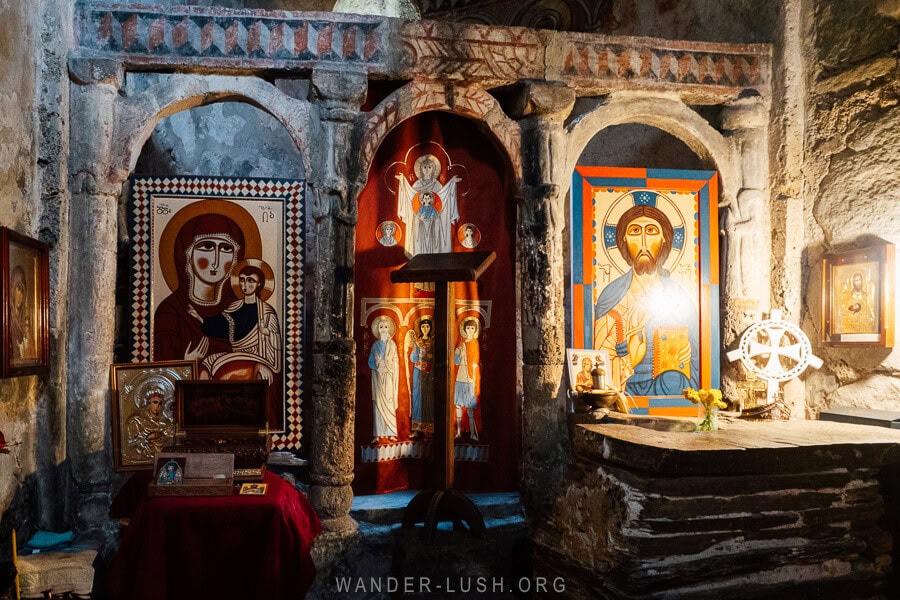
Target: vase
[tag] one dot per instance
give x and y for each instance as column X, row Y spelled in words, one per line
column 710, row 418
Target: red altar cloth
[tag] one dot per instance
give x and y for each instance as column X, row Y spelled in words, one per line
column 240, row 547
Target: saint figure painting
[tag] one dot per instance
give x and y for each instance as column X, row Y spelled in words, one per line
column 218, row 293
column 428, row 207
column 645, row 280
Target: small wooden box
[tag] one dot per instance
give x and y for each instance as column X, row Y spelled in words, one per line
column 226, row 417
column 198, row 474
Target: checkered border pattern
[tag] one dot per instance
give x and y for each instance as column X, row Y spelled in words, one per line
column 292, row 194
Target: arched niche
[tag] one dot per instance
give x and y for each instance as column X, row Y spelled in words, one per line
column 668, row 114
column 152, row 98
column 222, row 134
column 631, row 144
column 399, row 217
column 418, row 97
column 661, row 146
column 227, row 139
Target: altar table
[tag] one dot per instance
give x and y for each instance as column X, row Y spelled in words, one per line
column 240, row 547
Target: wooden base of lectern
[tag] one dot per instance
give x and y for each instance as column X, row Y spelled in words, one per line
column 430, row 507
column 443, row 503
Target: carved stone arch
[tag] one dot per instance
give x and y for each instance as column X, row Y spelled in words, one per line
column 418, row 97
column 669, row 114
column 137, row 116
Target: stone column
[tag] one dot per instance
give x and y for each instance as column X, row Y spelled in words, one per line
column 747, row 242
column 793, row 41
column 92, row 298
column 337, row 96
column 542, row 108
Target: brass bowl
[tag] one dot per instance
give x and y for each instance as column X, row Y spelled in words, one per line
column 600, row 398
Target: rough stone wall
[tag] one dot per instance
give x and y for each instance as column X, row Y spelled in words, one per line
column 636, row 145
column 32, row 201
column 852, row 199
column 229, row 139
column 740, row 21
column 790, row 513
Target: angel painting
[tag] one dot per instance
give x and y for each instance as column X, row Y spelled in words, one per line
column 428, row 207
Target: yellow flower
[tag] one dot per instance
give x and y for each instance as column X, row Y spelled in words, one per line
column 707, row 398
column 691, row 394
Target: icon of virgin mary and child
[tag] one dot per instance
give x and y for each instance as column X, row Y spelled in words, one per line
column 217, row 313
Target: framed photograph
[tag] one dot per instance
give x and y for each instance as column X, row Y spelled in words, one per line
column 209, row 253
column 221, row 407
column 645, row 280
column 858, row 297
column 253, row 489
column 25, row 301
column 143, row 409
column 580, row 366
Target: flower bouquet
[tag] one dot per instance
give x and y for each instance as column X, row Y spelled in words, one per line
column 711, row 400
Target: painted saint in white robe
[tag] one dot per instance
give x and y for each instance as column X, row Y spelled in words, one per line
column 385, row 364
column 427, row 208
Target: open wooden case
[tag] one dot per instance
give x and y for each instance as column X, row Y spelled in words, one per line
column 227, row 417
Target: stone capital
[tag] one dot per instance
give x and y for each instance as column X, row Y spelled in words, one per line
column 745, row 113
column 88, row 71
column 339, row 91
column 545, row 99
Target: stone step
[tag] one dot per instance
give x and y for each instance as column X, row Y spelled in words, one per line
column 387, row 509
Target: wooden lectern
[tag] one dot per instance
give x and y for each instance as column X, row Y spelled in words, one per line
column 442, row 502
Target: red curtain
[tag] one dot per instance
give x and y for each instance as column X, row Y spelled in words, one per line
column 437, row 183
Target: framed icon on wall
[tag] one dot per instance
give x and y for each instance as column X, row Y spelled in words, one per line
column 858, row 297
column 25, row 302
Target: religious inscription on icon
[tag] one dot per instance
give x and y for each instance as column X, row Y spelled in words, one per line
column 467, row 380
column 384, row 362
column 646, row 318
column 427, row 189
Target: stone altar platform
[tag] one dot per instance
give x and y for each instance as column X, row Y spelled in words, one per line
column 754, row 510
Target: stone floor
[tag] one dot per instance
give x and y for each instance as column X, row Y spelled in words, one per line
column 385, row 560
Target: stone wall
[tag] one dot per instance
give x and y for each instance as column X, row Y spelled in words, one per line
column 32, row 202
column 740, row 21
column 636, row 145
column 852, row 198
column 229, row 139
column 751, row 511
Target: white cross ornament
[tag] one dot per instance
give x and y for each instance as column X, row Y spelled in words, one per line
column 775, row 351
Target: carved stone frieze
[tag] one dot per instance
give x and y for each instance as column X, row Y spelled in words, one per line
column 258, row 41
column 230, row 38
column 450, row 50
column 588, row 61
